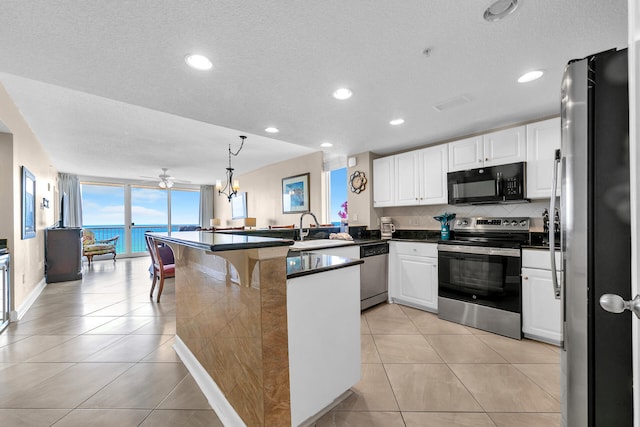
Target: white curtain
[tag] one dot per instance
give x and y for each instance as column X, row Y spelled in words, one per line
column 69, row 185
column 206, row 204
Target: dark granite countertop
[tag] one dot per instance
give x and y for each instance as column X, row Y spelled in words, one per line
column 422, row 236
column 540, row 246
column 307, row 263
column 426, row 240
column 537, row 240
column 214, row 242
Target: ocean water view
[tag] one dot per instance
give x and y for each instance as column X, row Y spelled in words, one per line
column 138, row 244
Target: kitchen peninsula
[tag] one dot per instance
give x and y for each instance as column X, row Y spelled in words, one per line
column 271, row 340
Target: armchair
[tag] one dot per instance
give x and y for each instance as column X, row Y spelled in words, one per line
column 92, row 247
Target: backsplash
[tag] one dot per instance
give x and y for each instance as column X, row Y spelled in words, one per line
column 421, row 217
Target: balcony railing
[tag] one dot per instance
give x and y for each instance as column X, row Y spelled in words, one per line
column 137, row 235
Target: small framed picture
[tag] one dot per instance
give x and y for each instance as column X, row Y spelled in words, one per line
column 28, row 204
column 295, row 194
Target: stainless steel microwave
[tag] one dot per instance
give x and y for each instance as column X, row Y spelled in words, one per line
column 493, row 184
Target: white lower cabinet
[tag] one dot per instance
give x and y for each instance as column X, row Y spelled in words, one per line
column 413, row 274
column 541, row 311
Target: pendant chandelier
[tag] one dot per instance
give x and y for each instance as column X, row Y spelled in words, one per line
column 232, row 186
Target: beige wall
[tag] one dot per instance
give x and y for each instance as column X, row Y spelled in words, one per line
column 264, row 186
column 27, row 256
column 361, row 210
column 6, row 186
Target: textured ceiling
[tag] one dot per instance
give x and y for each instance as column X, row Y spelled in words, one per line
column 107, row 80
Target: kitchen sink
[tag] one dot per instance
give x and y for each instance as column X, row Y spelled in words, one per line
column 319, row 243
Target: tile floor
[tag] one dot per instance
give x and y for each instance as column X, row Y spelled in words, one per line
column 98, row 352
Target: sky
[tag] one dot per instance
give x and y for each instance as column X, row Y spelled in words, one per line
column 104, row 205
column 338, row 192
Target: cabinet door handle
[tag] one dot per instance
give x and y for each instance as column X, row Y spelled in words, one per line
column 486, row 159
column 525, row 278
column 479, row 160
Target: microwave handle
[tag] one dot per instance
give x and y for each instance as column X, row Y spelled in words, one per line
column 499, row 184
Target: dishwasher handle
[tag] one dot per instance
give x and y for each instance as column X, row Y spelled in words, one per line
column 374, row 250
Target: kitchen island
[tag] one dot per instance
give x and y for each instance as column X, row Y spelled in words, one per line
column 276, row 340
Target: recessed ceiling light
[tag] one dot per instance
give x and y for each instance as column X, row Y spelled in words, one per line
column 500, row 9
column 198, row 62
column 272, row 130
column 530, row 76
column 342, row 93
column 326, row 145
column 396, row 122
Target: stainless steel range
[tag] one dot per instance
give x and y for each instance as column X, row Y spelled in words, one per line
column 479, row 282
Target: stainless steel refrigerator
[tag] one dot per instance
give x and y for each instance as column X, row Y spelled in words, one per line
column 595, row 241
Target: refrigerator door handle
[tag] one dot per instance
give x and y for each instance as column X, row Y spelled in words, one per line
column 616, row 304
column 552, row 235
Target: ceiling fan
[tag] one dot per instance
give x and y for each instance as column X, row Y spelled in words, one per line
column 166, row 180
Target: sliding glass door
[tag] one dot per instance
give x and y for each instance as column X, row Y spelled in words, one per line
column 148, row 213
column 130, row 210
column 103, row 212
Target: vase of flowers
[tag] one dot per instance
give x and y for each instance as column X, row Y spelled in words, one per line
column 344, row 215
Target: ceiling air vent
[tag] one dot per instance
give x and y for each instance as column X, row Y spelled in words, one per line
column 452, row 103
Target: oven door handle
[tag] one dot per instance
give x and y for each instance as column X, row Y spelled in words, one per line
column 480, row 250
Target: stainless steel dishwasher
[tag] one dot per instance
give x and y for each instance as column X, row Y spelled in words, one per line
column 373, row 274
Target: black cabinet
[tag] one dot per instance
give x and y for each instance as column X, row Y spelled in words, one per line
column 63, row 254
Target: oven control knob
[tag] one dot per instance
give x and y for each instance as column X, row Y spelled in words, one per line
column 523, row 222
column 458, row 222
column 464, row 222
column 506, row 222
column 514, row 223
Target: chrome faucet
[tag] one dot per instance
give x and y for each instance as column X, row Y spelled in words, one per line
column 303, row 235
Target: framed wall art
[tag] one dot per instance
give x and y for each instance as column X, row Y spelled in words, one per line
column 28, row 204
column 295, row 194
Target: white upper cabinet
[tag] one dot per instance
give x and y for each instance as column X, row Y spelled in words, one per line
column 421, row 176
column 505, row 146
column 466, row 154
column 383, row 182
column 434, row 164
column 543, row 138
column 407, row 190
column 495, row 148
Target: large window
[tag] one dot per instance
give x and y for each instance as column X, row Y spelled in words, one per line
column 185, row 207
column 129, row 211
column 337, row 193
